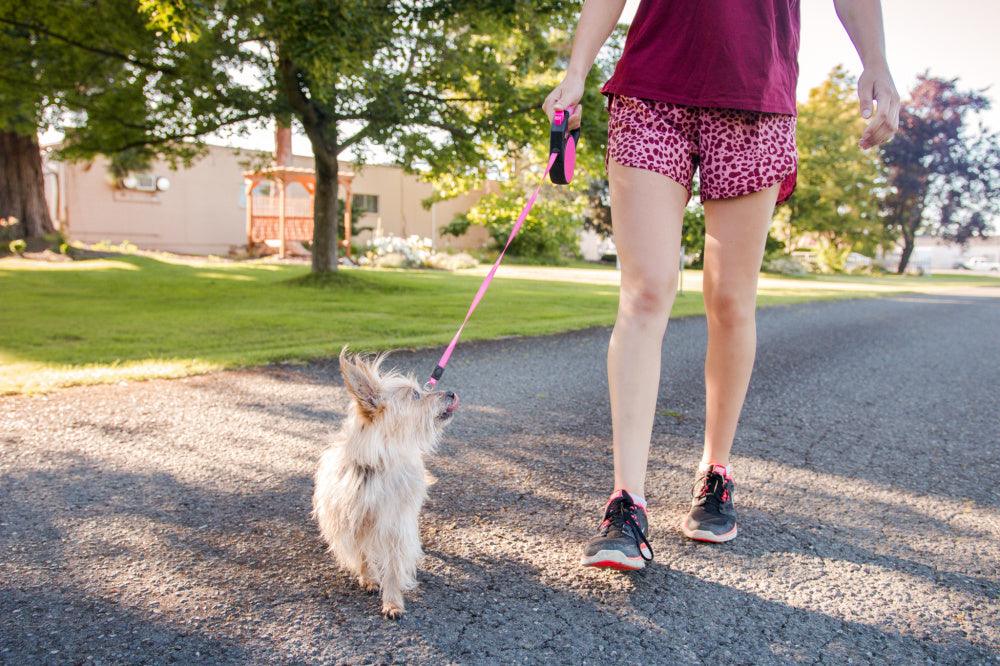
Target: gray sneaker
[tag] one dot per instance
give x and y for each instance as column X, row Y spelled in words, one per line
column 712, row 517
column 621, row 542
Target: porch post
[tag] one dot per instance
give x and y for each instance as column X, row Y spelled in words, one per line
column 281, row 216
column 248, row 185
column 347, row 217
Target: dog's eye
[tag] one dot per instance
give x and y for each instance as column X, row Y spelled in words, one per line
column 416, row 394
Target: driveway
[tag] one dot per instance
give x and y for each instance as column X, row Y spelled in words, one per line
column 169, row 520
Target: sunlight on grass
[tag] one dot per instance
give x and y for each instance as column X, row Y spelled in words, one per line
column 29, row 377
column 216, row 275
column 142, row 316
column 18, row 264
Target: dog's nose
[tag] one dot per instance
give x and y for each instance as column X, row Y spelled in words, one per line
column 450, row 395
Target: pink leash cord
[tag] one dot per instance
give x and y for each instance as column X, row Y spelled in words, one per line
column 562, row 145
column 446, row 356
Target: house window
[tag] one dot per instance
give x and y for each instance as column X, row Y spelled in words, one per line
column 145, row 182
column 366, row 203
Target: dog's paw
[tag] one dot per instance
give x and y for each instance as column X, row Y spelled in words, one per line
column 391, row 611
column 367, row 584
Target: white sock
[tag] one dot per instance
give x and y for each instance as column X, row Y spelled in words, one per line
column 636, row 499
column 705, row 466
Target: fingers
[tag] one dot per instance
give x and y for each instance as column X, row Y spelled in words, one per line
column 576, row 116
column 886, row 121
column 878, row 130
column 865, row 94
column 555, row 101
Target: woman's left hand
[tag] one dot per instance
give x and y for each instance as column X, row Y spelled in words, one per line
column 876, row 85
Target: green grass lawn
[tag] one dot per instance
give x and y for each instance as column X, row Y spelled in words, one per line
column 905, row 281
column 136, row 317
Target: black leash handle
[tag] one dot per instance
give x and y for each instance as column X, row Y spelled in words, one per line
column 563, row 142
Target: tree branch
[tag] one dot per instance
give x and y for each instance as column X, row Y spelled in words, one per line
column 89, row 48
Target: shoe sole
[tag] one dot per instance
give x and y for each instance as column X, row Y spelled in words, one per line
column 613, row 559
column 708, row 537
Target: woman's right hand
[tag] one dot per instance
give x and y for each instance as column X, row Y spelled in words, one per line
column 568, row 93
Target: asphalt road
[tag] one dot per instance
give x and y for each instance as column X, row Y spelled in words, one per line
column 169, row 520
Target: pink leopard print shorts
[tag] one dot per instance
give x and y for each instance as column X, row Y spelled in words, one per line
column 736, row 152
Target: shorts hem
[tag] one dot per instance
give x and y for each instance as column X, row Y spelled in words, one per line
column 672, row 177
column 788, row 183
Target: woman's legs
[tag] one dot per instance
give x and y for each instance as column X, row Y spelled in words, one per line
column 735, row 233
column 647, row 210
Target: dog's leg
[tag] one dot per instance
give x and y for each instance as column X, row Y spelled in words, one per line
column 398, row 555
column 366, row 579
column 392, row 589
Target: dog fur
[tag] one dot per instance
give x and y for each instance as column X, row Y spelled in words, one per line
column 371, row 483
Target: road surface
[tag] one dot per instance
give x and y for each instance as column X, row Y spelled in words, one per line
column 169, row 520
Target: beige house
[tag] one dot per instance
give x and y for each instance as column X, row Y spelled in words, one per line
column 202, row 209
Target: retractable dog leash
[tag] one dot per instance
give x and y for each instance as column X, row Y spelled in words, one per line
column 562, row 160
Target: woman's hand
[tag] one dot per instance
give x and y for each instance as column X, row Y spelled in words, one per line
column 863, row 21
column 876, row 84
column 568, row 93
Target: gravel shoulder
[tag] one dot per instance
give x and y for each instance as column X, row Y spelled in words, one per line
column 169, row 520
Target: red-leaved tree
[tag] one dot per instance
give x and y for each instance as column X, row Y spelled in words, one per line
column 943, row 166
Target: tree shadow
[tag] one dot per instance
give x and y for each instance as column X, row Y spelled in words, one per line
column 173, row 563
column 69, row 625
column 505, row 610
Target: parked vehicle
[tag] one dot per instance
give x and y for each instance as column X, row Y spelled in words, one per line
column 857, row 260
column 982, row 264
column 607, row 251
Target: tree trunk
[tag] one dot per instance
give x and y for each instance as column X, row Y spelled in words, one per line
column 324, row 244
column 904, row 257
column 22, row 185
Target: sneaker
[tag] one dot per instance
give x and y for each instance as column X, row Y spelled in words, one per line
column 713, row 516
column 621, row 539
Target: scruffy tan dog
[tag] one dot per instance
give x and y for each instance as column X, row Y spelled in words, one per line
column 371, row 483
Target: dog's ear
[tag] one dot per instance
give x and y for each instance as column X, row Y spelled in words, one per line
column 361, row 380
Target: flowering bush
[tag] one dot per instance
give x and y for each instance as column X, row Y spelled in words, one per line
column 412, row 252
column 396, row 252
column 785, row 265
column 451, row 262
column 8, row 228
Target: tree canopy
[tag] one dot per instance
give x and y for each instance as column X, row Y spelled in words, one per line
column 943, row 167
column 446, row 86
column 838, row 195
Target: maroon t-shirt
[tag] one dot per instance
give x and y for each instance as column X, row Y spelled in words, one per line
column 737, row 54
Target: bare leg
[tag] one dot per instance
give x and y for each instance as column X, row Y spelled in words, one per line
column 647, row 210
column 735, row 233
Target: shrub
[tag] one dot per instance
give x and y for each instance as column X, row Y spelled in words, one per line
column 18, row 246
column 55, row 240
column 9, row 229
column 412, row 252
column 548, row 235
column 451, row 262
column 396, row 252
column 831, row 257
column 124, row 247
column 785, row 265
